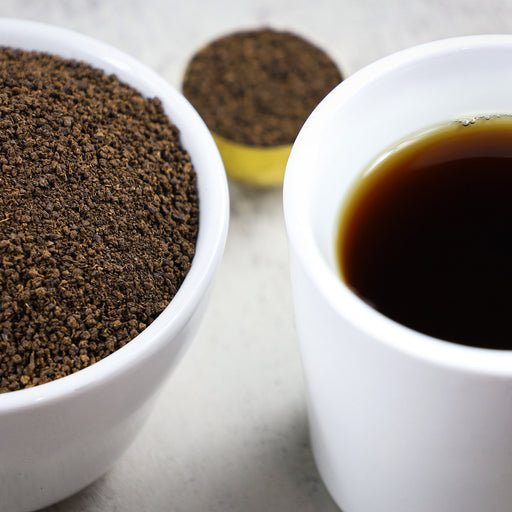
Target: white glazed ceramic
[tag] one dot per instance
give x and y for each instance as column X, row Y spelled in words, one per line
column 58, row 437
column 400, row 422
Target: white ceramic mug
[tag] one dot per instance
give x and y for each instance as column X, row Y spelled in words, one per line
column 400, row 421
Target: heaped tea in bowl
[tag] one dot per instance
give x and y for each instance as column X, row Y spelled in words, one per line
column 426, row 234
column 98, row 215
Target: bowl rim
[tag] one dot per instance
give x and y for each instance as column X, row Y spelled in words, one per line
column 213, row 211
column 298, row 190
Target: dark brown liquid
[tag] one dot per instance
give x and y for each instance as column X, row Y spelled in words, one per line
column 426, row 236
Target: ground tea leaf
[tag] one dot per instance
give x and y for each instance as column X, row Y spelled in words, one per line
column 257, row 87
column 98, row 215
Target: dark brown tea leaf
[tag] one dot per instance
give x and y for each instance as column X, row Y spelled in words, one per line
column 257, row 87
column 98, row 216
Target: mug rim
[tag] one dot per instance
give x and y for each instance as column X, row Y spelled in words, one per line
column 297, row 190
column 213, row 215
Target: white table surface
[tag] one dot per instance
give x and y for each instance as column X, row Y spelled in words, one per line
column 229, row 432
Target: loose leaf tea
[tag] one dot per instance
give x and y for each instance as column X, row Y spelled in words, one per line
column 258, row 87
column 98, row 215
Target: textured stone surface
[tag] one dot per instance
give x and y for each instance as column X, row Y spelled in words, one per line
column 229, row 431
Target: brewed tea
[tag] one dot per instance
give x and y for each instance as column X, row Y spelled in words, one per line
column 426, row 234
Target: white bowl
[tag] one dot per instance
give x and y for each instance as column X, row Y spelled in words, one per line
column 58, row 437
